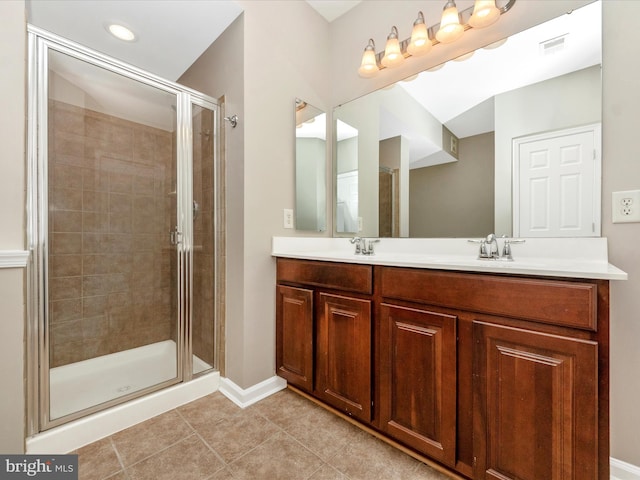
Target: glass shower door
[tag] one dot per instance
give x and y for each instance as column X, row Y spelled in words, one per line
column 112, row 310
column 203, row 323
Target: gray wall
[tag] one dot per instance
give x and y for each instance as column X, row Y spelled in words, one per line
column 278, row 54
column 442, row 196
column 12, row 233
column 621, row 171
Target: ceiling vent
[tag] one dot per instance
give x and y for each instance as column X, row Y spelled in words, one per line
column 553, row 45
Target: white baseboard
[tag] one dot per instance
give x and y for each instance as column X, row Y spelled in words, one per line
column 245, row 397
column 76, row 434
column 623, row 471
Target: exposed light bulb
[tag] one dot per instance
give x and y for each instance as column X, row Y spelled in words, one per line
column 450, row 27
column 392, row 54
column 420, row 42
column 485, row 13
column 369, row 65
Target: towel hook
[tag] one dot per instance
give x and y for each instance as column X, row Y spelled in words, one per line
column 233, row 120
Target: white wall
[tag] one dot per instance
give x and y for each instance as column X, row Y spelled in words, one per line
column 12, row 213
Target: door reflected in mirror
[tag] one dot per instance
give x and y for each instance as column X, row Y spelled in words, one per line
column 311, row 152
column 346, row 220
column 436, row 152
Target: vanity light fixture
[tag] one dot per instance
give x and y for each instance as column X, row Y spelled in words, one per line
column 450, row 28
column 121, row 32
column 369, row 66
column 485, row 13
column 420, row 42
column 393, row 56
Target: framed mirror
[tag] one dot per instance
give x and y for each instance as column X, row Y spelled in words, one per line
column 311, row 152
column 505, row 139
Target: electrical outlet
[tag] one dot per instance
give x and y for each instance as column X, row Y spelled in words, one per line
column 359, row 224
column 626, row 206
column 288, row 218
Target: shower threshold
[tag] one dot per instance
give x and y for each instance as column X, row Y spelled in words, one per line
column 88, row 383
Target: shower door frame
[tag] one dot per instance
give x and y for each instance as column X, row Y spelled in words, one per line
column 37, row 330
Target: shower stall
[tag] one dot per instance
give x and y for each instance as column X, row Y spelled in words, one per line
column 123, row 201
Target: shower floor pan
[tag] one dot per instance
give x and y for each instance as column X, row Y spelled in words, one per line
column 85, row 384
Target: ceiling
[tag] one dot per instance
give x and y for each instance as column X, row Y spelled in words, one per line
column 171, row 34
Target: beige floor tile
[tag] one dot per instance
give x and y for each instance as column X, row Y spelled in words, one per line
column 149, row 437
column 97, row 461
column 235, row 435
column 322, row 432
column 367, row 458
column 189, row 459
column 327, row 472
column 224, row 474
column 208, row 410
column 281, row 457
column 284, row 407
column 425, row 472
column 117, row 476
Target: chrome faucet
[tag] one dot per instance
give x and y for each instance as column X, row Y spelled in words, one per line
column 364, row 247
column 490, row 250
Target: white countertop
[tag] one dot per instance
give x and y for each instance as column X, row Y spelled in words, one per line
column 554, row 257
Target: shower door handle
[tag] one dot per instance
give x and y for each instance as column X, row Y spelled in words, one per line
column 175, row 236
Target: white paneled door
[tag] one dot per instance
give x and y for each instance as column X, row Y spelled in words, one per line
column 557, row 178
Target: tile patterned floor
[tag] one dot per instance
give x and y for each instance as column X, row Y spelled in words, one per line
column 283, row 437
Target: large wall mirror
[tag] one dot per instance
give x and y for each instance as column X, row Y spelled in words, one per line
column 504, row 140
column 311, row 148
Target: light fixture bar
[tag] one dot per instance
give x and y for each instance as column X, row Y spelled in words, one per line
column 465, row 15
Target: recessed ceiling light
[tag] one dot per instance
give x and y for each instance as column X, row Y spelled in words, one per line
column 121, row 32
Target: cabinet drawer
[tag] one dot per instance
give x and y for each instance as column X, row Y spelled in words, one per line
column 570, row 304
column 340, row 276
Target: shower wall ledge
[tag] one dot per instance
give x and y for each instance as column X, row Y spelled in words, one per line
column 13, row 258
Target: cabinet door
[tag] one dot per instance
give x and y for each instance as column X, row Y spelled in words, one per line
column 294, row 336
column 535, row 400
column 418, row 379
column 344, row 354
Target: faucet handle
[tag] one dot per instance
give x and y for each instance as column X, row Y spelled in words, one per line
column 506, row 250
column 482, row 252
column 370, row 250
column 358, row 242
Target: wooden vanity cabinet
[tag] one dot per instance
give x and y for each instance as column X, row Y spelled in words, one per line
column 330, row 321
column 294, row 336
column 493, row 376
column 417, row 379
column 532, row 370
column 536, row 402
column 343, row 354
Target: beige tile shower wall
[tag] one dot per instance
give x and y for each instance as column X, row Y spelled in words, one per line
column 110, row 211
column 203, row 229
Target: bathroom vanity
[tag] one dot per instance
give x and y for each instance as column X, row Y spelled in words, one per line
column 494, row 370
